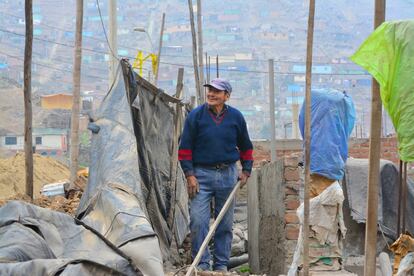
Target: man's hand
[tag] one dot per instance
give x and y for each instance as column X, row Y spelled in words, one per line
column 192, row 186
column 243, row 178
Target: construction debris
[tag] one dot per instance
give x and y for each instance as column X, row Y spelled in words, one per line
column 57, row 203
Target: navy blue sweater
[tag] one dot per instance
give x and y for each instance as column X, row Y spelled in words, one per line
column 210, row 139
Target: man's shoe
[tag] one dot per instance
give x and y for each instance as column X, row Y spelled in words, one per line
column 203, row 268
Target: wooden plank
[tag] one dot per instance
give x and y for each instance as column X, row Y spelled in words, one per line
column 27, row 91
column 374, row 163
column 309, row 55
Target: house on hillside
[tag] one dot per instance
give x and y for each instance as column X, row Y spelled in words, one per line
column 46, row 141
column 56, row 101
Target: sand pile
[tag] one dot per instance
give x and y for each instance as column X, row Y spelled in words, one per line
column 12, row 174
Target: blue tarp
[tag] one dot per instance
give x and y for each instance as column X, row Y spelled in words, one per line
column 332, row 121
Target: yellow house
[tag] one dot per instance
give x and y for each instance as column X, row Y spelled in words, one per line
column 57, row 101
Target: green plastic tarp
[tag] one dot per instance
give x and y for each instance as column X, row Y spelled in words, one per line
column 388, row 55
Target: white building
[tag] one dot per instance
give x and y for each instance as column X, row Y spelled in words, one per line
column 46, row 141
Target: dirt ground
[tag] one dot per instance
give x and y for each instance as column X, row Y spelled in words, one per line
column 12, row 174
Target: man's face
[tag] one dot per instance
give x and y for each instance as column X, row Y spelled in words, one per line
column 216, row 97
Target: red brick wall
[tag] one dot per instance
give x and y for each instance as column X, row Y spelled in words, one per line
column 358, row 148
column 292, row 182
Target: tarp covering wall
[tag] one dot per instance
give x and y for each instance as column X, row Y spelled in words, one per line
column 130, row 193
column 356, row 177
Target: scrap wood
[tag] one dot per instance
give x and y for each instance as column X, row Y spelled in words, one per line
column 401, row 247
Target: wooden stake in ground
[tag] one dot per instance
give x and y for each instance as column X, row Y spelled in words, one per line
column 74, row 132
column 374, row 163
column 113, row 40
column 217, row 67
column 159, row 49
column 27, row 91
column 195, row 62
column 309, row 53
column 272, row 111
column 177, row 131
column 200, row 45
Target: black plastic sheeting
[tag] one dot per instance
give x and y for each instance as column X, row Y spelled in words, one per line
column 130, row 194
column 38, row 241
column 356, row 178
column 131, row 206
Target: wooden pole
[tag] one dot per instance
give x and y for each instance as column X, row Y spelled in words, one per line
column 195, row 62
column 272, row 111
column 200, row 45
column 295, row 121
column 208, row 69
column 374, row 163
column 217, row 66
column 74, row 133
column 113, row 41
column 159, row 49
column 27, row 91
column 174, row 155
column 309, row 54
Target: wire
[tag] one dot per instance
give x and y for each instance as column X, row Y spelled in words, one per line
column 190, row 66
column 104, row 30
column 53, row 42
column 60, row 60
column 48, row 66
column 182, row 56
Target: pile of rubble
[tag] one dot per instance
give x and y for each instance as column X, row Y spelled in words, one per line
column 56, row 203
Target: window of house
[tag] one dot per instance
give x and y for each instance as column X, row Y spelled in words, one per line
column 38, row 140
column 11, row 140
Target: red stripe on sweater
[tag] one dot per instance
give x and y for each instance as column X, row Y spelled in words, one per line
column 246, row 155
column 185, row 154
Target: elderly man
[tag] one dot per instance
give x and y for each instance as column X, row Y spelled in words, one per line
column 215, row 137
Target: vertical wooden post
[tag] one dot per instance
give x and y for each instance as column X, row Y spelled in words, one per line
column 309, row 54
column 207, row 79
column 217, row 67
column 113, row 40
column 174, row 155
column 200, row 45
column 272, row 111
column 208, row 69
column 195, row 62
column 159, row 49
column 295, row 121
column 27, row 91
column 74, row 133
column 374, row 163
